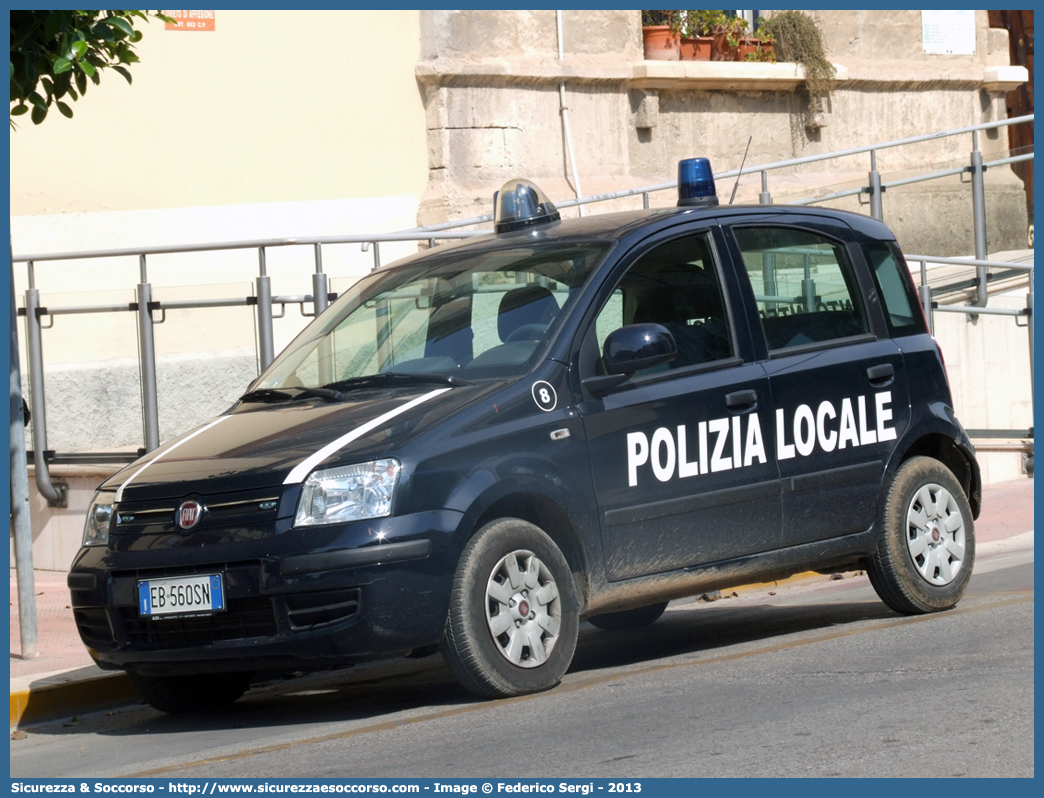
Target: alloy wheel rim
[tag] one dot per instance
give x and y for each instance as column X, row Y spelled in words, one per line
column 935, row 535
column 523, row 609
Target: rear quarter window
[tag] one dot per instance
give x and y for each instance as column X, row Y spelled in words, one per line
column 896, row 288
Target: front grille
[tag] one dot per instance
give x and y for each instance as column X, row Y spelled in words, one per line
column 245, row 617
column 309, row 610
column 93, row 624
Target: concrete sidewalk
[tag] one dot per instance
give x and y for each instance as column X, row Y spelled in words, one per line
column 63, row 679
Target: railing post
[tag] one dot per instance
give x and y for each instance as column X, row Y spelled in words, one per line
column 1029, row 325
column 147, row 361
column 925, row 292
column 320, row 283
column 979, row 219
column 645, row 200
column 321, row 299
column 21, row 523
column 266, row 348
column 34, row 345
column 376, row 255
column 764, row 197
column 876, row 209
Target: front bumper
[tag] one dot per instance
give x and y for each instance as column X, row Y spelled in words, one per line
column 295, row 599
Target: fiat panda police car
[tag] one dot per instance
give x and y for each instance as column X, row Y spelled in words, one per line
column 487, row 443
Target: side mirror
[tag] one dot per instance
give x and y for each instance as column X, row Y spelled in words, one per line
column 630, row 349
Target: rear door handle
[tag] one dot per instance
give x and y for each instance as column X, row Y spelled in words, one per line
column 881, row 374
column 741, row 400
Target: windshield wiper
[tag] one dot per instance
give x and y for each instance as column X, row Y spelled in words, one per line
column 391, row 377
column 280, row 395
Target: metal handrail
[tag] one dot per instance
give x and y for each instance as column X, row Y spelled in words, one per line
column 320, row 296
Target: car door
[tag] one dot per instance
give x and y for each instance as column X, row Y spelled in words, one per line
column 680, row 453
column 839, row 390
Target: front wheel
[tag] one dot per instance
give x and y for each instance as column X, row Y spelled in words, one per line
column 924, row 559
column 513, row 616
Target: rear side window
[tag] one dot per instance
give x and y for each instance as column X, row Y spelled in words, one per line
column 896, row 289
column 804, row 286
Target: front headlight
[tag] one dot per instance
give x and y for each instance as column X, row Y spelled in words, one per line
column 349, row 493
column 99, row 518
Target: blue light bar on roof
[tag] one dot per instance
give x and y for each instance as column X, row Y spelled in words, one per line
column 696, row 183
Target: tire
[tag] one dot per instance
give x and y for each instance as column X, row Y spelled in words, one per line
column 927, row 549
column 178, row 695
column 629, row 619
column 493, row 646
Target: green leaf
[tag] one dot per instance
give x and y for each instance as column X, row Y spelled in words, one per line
column 18, row 110
column 52, row 25
column 37, row 100
column 72, row 93
column 103, row 32
column 79, row 49
column 81, row 82
column 65, row 109
column 123, row 72
column 86, row 68
column 137, row 37
column 62, row 65
column 39, row 114
column 120, row 23
column 48, row 86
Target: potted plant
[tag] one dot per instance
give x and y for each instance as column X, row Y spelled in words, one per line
column 797, row 38
column 661, row 35
column 696, row 39
column 757, row 48
column 728, row 37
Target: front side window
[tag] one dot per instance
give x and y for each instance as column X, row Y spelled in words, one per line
column 475, row 315
column 675, row 285
column 804, row 286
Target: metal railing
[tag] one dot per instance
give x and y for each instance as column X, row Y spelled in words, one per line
column 263, row 301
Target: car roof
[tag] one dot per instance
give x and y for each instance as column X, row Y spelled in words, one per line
column 621, row 224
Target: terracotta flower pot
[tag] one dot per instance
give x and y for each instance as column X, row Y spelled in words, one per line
column 660, row 44
column 697, row 48
column 721, row 50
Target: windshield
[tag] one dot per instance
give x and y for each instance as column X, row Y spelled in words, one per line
column 461, row 315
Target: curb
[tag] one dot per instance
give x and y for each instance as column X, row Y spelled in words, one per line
column 56, row 695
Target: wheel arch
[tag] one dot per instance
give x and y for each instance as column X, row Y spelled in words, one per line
column 948, row 451
column 543, row 512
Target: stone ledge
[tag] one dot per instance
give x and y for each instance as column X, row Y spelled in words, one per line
column 536, row 69
column 722, row 75
column 1004, row 78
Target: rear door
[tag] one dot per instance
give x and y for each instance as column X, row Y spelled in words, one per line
column 838, row 384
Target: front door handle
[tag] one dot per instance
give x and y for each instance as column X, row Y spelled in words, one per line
column 741, row 400
column 881, row 374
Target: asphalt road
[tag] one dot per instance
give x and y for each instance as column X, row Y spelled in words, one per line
column 818, row 679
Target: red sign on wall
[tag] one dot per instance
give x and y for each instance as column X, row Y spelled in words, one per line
column 191, row 20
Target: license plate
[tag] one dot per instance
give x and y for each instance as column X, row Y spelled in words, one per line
column 181, row 595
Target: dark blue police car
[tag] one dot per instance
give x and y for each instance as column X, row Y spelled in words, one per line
column 487, row 443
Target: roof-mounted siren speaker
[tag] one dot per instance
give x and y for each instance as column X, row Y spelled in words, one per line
column 696, row 183
column 521, row 204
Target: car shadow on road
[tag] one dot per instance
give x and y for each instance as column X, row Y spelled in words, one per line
column 380, row 692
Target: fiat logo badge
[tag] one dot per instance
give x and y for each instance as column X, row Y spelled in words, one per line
column 188, row 515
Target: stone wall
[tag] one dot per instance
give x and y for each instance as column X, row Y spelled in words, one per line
column 491, row 90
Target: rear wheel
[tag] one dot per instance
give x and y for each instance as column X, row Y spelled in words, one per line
column 513, row 617
column 629, row 619
column 924, row 559
column 178, row 695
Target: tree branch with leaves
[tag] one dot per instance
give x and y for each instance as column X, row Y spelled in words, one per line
column 55, row 53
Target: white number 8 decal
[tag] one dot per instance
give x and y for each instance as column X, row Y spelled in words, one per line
column 544, row 395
